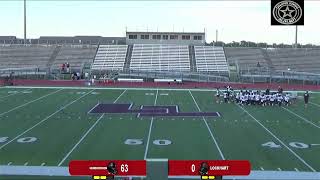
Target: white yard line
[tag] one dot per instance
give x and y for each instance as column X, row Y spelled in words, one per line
column 295, row 154
column 85, row 135
column 45, row 119
column 150, row 128
column 22, row 105
column 318, row 105
column 306, row 120
column 212, row 136
column 93, row 107
column 262, row 168
column 130, row 106
column 296, row 169
column 82, row 138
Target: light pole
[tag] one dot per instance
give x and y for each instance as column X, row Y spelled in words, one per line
column 296, row 38
column 25, row 22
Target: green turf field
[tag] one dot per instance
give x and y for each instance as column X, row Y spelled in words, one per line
column 51, row 126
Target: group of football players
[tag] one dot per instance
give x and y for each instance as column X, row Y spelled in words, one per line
column 250, row 97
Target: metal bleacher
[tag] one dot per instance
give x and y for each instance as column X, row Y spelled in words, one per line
column 211, row 59
column 110, row 57
column 160, row 57
column 245, row 58
column 76, row 56
column 21, row 56
column 299, row 60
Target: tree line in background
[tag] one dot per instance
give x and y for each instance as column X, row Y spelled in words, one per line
column 260, row 45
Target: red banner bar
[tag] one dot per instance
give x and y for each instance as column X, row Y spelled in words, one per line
column 214, row 167
column 100, row 168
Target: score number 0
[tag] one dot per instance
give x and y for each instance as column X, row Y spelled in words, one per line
column 124, row 168
column 193, row 168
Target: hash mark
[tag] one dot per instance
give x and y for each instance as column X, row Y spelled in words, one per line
column 279, row 169
column 25, row 164
column 296, row 169
column 262, row 168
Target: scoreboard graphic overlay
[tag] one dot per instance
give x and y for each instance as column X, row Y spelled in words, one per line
column 107, row 169
column 205, row 169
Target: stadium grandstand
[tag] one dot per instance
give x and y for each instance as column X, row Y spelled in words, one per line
column 176, row 55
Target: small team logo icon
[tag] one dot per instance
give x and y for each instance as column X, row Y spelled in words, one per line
column 204, row 168
column 287, row 12
column 112, row 169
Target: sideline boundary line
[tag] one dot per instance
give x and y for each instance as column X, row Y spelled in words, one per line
column 279, row 140
column 134, row 88
column 212, row 136
column 85, row 135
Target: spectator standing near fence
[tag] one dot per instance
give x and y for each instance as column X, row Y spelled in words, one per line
column 63, row 67
column 78, row 75
column 306, row 99
column 68, row 67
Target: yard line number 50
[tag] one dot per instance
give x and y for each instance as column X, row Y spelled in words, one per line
column 158, row 142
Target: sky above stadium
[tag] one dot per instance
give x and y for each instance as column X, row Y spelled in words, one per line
column 234, row 20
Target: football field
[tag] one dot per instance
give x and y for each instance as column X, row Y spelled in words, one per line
column 52, row 126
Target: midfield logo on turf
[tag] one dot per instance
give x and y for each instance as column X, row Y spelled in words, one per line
column 149, row 111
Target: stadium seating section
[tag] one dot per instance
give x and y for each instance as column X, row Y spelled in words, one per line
column 211, row 59
column 110, row 57
column 156, row 57
column 245, row 58
column 303, row 60
column 153, row 57
column 17, row 56
column 76, row 56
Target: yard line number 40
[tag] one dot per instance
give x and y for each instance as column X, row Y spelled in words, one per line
column 20, row 140
column 298, row 145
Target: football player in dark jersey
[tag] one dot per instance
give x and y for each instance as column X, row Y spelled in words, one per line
column 306, row 99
